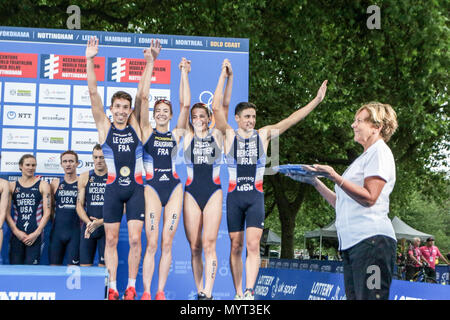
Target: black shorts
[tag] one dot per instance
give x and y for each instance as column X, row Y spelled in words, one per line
column 245, row 209
column 368, row 268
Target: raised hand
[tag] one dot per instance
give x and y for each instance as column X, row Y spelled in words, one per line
column 322, row 90
column 92, row 48
column 226, row 64
column 186, row 64
column 151, row 53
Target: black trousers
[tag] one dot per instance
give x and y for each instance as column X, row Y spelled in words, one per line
column 368, row 268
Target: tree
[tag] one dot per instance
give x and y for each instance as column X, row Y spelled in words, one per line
column 294, row 46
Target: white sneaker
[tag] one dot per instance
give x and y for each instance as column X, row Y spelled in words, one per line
column 238, row 297
column 249, row 294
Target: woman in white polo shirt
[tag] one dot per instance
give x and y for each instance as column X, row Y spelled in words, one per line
column 361, row 199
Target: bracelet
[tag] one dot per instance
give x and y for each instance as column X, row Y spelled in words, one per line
column 340, row 186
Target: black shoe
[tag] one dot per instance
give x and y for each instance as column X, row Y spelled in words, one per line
column 202, row 296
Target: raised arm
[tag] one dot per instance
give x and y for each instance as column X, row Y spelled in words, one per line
column 150, row 55
column 185, row 97
column 228, row 88
column 221, row 101
column 275, row 130
column 101, row 120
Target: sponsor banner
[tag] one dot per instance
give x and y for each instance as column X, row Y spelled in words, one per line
column 54, row 94
column 291, row 284
column 48, row 163
column 405, row 290
column 120, row 39
column 287, row 284
column 130, row 70
column 19, row 116
column 53, row 117
column 83, row 140
column 10, row 161
column 22, row 92
column 111, row 90
column 82, row 118
column 19, row 65
column 64, row 67
column 81, row 95
column 52, row 282
column 1, row 83
column 17, row 138
column 52, row 139
column 86, row 163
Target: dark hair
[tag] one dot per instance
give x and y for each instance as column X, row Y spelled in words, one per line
column 69, row 152
column 24, row 157
column 241, row 106
column 121, row 95
column 159, row 101
column 200, row 105
column 97, row 147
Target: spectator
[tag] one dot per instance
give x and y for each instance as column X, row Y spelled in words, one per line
column 413, row 259
column 430, row 252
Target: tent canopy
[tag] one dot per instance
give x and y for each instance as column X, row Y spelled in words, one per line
column 270, row 238
column 402, row 231
column 329, row 231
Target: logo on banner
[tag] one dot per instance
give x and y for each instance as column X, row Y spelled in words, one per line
column 117, row 69
column 51, row 65
column 130, row 70
column 65, row 67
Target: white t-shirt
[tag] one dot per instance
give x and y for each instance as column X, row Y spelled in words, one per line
column 355, row 222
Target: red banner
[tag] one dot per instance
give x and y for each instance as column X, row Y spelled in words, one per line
column 19, row 65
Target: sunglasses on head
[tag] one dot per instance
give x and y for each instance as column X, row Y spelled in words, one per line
column 163, row 101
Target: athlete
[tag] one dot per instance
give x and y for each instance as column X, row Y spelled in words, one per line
column 203, row 195
column 163, row 187
column 65, row 234
column 4, row 204
column 246, row 150
column 90, row 202
column 31, row 202
column 122, row 149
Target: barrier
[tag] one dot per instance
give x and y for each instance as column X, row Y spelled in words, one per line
column 291, row 284
column 442, row 271
column 22, row 282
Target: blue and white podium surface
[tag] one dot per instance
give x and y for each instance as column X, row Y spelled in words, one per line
column 291, row 284
column 36, row 282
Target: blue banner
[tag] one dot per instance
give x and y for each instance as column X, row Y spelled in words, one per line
column 45, row 110
column 52, row 283
column 291, row 284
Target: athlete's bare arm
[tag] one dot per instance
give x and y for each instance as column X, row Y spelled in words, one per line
column 185, row 100
column 9, row 220
column 101, row 120
column 53, row 188
column 221, row 103
column 271, row 131
column 150, row 55
column 4, row 201
column 81, row 198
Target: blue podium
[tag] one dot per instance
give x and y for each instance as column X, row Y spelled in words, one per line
column 37, row 282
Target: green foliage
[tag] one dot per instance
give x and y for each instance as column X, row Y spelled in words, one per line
column 294, row 46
